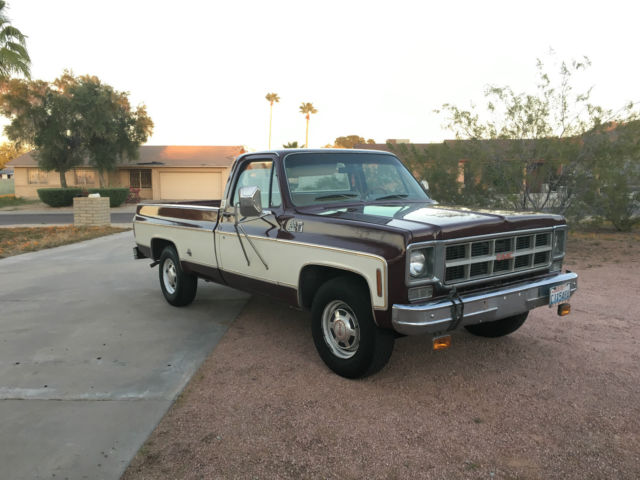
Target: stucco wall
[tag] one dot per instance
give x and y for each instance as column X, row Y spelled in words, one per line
column 28, row 190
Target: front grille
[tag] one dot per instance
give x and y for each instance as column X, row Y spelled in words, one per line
column 517, row 252
column 456, row 251
column 454, row 273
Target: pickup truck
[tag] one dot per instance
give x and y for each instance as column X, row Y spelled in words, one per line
column 353, row 237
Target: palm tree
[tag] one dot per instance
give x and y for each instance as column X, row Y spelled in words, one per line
column 307, row 109
column 271, row 97
column 13, row 50
column 291, row 145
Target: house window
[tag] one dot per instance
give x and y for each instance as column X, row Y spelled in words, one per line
column 85, row 177
column 37, row 176
column 140, row 178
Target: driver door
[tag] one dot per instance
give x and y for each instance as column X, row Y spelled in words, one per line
column 239, row 264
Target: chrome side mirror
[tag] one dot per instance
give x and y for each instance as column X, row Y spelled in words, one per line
column 250, row 201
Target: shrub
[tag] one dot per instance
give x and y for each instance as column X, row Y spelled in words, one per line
column 58, row 197
column 117, row 196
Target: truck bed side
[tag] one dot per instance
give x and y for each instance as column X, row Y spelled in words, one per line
column 188, row 226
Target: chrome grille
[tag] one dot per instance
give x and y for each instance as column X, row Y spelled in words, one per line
column 506, row 254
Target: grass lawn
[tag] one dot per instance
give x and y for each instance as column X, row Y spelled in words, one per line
column 12, row 201
column 14, row 241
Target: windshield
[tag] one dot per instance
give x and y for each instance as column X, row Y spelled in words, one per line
column 320, row 178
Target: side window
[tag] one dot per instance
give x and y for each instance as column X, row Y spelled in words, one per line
column 276, row 198
column 260, row 174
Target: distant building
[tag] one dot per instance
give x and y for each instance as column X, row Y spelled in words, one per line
column 6, row 173
column 160, row 173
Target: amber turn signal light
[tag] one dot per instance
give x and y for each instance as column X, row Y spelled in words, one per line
column 564, row 309
column 442, row 342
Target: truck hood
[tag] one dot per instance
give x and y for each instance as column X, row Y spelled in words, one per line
column 428, row 222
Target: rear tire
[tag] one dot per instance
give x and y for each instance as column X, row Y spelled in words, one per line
column 498, row 328
column 344, row 332
column 179, row 288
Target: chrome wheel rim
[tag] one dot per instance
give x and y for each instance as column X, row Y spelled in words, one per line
column 340, row 329
column 169, row 276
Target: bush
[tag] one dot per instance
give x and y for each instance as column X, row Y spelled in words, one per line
column 117, row 196
column 58, row 197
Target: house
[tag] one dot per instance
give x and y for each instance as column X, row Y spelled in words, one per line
column 160, row 173
column 6, row 173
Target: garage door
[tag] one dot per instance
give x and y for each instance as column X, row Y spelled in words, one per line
column 190, row 186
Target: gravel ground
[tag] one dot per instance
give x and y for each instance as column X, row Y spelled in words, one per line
column 558, row 399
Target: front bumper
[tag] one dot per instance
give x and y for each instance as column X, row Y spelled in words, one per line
column 435, row 317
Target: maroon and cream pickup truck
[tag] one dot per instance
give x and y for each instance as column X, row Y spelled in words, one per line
column 351, row 236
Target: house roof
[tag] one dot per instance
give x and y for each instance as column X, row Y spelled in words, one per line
column 165, row 156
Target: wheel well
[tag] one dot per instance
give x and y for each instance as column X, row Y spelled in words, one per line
column 313, row 277
column 158, row 245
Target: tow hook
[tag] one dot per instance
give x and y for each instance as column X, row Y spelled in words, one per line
column 153, row 264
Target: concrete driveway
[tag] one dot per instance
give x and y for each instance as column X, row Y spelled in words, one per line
column 91, row 356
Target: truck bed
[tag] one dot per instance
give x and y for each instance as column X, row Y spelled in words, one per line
column 188, row 225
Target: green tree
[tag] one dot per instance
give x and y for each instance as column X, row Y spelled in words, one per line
column 73, row 119
column 14, row 58
column 350, row 141
column 271, row 98
column 291, row 145
column 307, row 109
column 112, row 129
column 611, row 173
column 9, row 151
column 536, row 150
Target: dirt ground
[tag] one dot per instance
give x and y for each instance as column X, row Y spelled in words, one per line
column 558, row 399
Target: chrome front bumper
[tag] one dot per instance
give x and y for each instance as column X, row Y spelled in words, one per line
column 435, row 317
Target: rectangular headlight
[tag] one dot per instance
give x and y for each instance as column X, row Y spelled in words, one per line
column 559, row 242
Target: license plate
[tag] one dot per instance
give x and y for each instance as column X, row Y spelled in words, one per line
column 559, row 293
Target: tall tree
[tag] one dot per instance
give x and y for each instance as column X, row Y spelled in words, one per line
column 307, row 109
column 9, row 151
column 73, row 119
column 271, row 98
column 113, row 130
column 14, row 58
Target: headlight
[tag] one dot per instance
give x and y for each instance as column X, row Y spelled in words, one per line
column 559, row 238
column 421, row 263
column 417, row 263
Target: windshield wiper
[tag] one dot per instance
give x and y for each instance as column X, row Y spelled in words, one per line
column 336, row 195
column 395, row 195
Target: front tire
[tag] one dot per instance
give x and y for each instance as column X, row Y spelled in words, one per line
column 179, row 288
column 498, row 328
column 344, row 332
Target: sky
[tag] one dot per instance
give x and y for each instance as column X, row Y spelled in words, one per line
column 371, row 68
